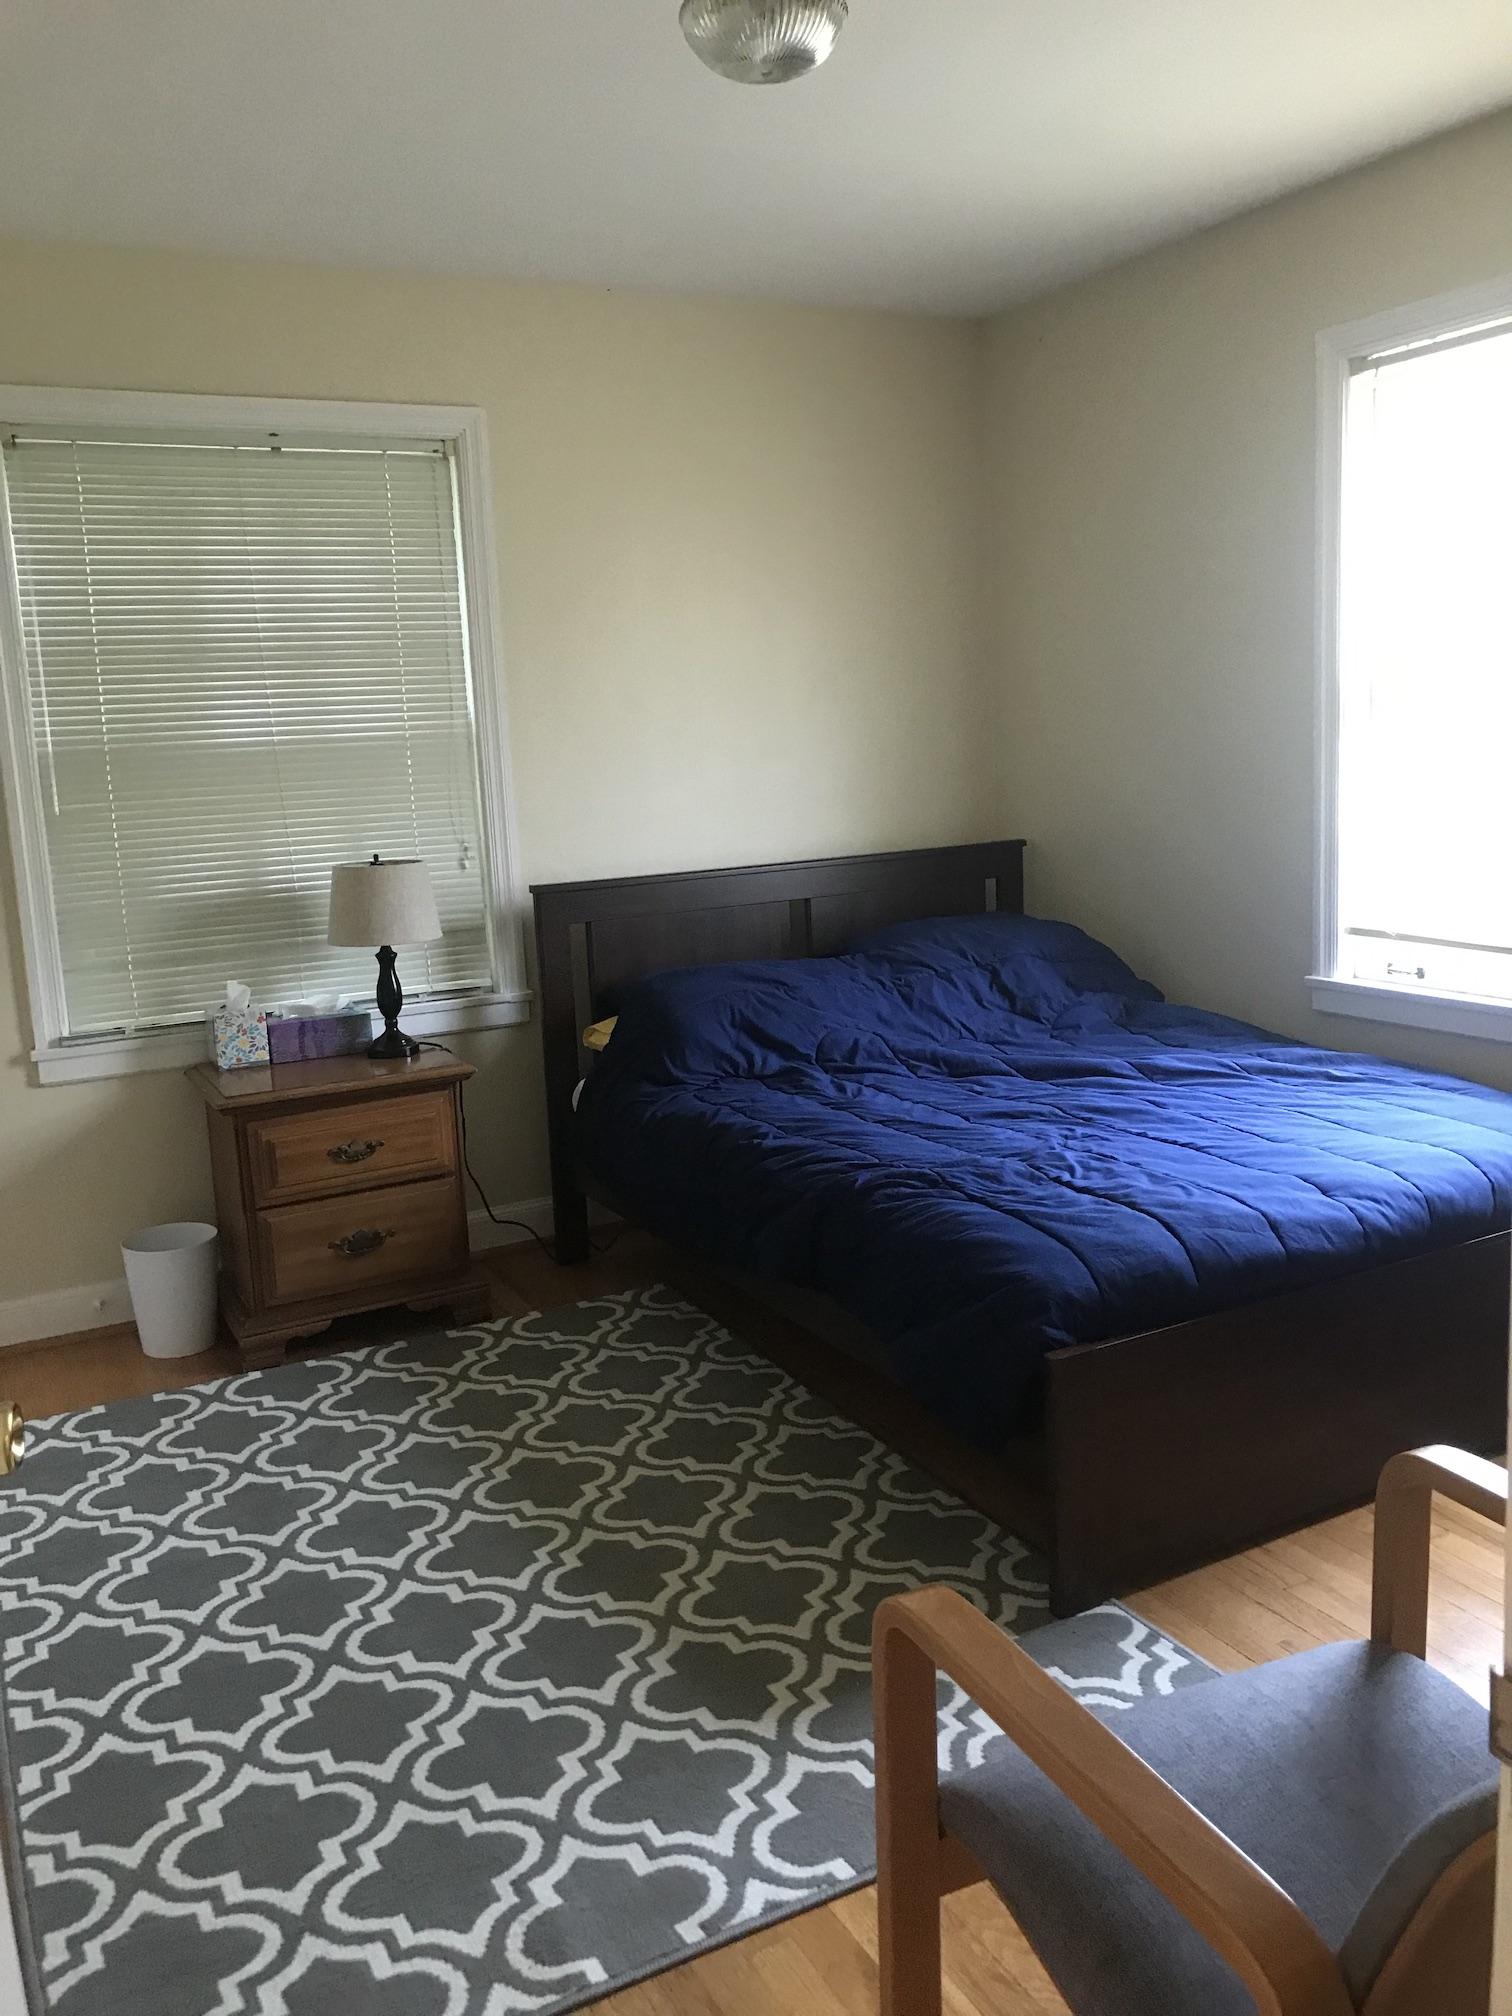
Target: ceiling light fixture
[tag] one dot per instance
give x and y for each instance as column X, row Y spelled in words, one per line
column 762, row 41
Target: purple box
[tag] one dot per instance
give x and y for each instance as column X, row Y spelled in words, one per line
column 293, row 1039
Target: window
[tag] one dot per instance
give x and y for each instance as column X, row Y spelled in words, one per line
column 235, row 654
column 1415, row 888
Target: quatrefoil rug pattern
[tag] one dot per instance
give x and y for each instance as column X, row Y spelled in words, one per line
column 467, row 1676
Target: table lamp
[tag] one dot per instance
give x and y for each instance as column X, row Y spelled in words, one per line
column 384, row 903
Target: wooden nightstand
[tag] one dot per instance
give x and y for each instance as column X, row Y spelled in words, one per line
column 338, row 1188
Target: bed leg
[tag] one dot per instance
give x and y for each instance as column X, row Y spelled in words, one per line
column 1079, row 1576
column 1074, row 1588
column 571, row 1245
column 1081, row 1447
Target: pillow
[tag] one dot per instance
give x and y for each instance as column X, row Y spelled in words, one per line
column 921, row 990
column 1036, row 966
column 744, row 1020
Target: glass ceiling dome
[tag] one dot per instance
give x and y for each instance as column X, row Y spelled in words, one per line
column 762, row 41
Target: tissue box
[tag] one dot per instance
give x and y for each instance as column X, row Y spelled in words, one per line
column 342, row 1034
column 239, row 1037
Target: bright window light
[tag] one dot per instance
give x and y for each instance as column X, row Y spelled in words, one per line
column 1424, row 891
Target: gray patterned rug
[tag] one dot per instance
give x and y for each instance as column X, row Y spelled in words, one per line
column 468, row 1676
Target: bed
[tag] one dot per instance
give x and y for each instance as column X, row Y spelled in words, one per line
column 1164, row 1283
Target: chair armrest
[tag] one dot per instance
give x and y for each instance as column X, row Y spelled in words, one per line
column 1244, row 1915
column 1403, row 1530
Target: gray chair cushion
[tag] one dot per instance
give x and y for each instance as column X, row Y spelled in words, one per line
column 1351, row 1775
column 1407, row 1879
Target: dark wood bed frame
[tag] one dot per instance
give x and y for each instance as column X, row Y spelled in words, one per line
column 1154, row 1452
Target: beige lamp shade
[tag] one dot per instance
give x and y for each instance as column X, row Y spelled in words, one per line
column 382, row 903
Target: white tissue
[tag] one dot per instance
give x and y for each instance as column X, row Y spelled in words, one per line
column 238, row 997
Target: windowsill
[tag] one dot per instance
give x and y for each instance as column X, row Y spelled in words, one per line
column 1414, row 1007
column 176, row 1049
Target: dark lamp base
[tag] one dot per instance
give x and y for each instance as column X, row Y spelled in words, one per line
column 393, row 1043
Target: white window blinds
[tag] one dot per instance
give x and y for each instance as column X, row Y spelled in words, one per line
column 1425, row 668
column 244, row 663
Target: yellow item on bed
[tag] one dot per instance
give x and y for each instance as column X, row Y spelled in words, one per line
column 596, row 1035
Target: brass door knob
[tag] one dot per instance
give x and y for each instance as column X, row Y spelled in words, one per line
column 12, row 1439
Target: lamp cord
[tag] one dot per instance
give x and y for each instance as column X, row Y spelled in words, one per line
column 519, row 1224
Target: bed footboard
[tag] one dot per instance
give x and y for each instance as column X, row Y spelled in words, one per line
column 1176, row 1446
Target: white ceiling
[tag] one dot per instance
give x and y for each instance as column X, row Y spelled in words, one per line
column 954, row 155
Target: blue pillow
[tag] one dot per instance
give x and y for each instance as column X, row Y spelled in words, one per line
column 915, row 989
column 750, row 1020
column 1036, row 966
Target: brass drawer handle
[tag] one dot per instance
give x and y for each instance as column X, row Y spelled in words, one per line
column 353, row 1151
column 357, row 1245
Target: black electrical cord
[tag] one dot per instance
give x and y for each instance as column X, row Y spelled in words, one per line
column 518, row 1224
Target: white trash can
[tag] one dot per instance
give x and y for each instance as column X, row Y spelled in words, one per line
column 170, row 1272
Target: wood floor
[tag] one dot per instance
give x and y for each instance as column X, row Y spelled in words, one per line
column 1304, row 1590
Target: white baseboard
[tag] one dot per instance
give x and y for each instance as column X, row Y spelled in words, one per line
column 91, row 1307
column 97, row 1304
column 483, row 1233
column 534, row 1212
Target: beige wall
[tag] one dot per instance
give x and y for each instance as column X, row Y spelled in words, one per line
column 740, row 555
column 1152, row 442
column 770, row 590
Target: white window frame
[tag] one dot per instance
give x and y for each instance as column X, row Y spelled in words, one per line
column 60, row 1060
column 1339, row 351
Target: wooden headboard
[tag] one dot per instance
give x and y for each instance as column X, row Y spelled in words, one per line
column 593, row 936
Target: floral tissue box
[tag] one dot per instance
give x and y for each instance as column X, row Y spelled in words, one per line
column 239, row 1036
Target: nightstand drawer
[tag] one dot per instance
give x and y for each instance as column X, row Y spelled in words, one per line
column 346, row 1245
column 338, row 1148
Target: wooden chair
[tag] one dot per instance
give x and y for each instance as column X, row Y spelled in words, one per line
column 1313, row 1837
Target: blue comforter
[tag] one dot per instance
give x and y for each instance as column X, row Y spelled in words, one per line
column 987, row 1138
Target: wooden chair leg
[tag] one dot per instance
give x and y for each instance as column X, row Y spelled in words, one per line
column 908, row 1830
